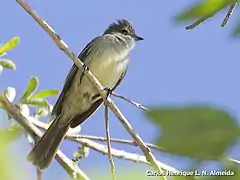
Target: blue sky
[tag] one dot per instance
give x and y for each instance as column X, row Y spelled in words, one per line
column 171, row 66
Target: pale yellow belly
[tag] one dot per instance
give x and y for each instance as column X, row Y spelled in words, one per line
column 108, row 72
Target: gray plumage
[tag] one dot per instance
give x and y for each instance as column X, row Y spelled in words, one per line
column 107, row 58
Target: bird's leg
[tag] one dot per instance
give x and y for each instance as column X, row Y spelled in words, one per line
column 84, row 68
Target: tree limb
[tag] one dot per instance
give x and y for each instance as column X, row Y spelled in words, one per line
column 103, row 149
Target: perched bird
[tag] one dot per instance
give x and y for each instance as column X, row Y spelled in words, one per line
column 107, row 57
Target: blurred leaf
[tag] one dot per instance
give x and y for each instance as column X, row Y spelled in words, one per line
column 229, row 171
column 30, row 139
column 10, row 93
column 124, row 173
column 203, row 9
column 31, row 87
column 11, row 134
column 184, row 178
column 41, row 112
column 236, row 32
column 36, row 102
column 7, row 165
column 82, row 152
column 203, row 132
column 9, row 45
column 1, row 69
column 7, row 64
column 45, row 93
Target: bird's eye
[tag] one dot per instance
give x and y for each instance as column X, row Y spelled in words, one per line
column 124, row 31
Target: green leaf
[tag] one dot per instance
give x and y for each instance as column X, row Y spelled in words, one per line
column 31, row 87
column 202, row 132
column 10, row 93
column 203, row 9
column 45, row 93
column 9, row 45
column 7, row 64
column 36, row 102
column 11, row 134
column 9, row 164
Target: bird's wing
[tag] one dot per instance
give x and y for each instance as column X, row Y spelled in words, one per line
column 120, row 80
column 80, row 118
column 68, row 81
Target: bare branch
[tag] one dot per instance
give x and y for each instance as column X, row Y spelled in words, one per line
column 103, row 149
column 73, row 137
column 62, row 45
column 115, row 140
column 229, row 14
column 138, row 105
column 14, row 112
column 109, row 143
column 123, row 154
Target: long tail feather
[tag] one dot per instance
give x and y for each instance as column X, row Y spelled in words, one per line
column 45, row 149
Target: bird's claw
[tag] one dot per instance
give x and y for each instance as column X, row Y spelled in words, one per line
column 107, row 90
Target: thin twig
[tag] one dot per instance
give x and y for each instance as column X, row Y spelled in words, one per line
column 103, row 149
column 130, row 101
column 72, row 136
column 39, row 174
column 229, row 14
column 237, row 162
column 113, row 140
column 109, row 143
column 25, row 122
column 62, row 45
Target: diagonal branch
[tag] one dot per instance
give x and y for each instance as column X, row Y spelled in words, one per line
column 61, row 44
column 14, row 112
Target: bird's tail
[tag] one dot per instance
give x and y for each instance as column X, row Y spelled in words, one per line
column 45, row 149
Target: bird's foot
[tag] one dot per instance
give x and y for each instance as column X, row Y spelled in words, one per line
column 108, row 91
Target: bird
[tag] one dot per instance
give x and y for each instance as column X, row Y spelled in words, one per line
column 107, row 57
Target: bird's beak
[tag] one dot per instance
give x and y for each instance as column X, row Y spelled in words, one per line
column 138, row 38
